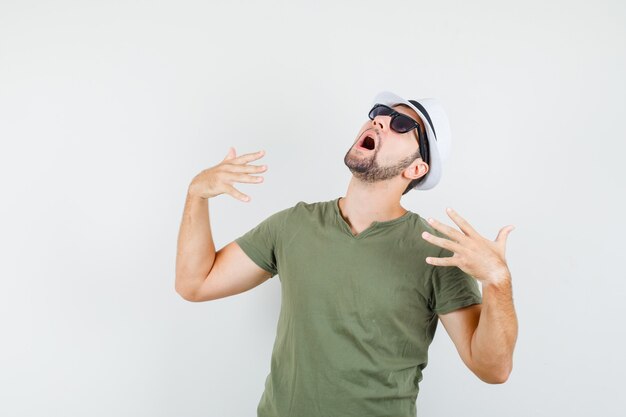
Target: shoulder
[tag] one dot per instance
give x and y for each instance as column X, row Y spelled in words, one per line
column 298, row 209
column 315, row 207
column 314, row 214
column 422, row 225
column 418, row 224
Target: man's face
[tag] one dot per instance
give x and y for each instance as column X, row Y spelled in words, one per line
column 393, row 151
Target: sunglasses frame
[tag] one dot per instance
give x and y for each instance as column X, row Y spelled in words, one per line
column 421, row 140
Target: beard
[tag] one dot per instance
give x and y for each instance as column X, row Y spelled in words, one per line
column 365, row 167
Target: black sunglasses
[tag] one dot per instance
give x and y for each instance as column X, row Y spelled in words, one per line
column 402, row 123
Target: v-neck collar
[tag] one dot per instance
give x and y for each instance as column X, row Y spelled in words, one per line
column 375, row 224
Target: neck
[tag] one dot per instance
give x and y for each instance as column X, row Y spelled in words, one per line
column 368, row 202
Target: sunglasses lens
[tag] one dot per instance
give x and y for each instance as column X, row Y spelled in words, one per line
column 379, row 111
column 402, row 124
column 399, row 123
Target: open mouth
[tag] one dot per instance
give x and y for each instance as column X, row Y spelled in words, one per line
column 367, row 143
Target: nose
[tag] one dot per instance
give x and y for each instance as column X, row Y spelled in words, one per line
column 381, row 121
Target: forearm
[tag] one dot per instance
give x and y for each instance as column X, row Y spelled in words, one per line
column 494, row 340
column 196, row 251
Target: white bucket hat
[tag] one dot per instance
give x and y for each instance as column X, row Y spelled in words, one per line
column 437, row 132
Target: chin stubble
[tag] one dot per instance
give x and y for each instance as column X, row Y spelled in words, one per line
column 367, row 169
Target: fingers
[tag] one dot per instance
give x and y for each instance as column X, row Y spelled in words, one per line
column 242, row 159
column 220, row 178
column 441, row 242
column 461, row 222
column 244, row 178
column 246, row 168
column 236, row 193
column 239, row 171
column 447, row 261
column 451, row 232
column 235, row 177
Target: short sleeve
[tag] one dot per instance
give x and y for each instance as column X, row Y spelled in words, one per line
column 261, row 242
column 452, row 288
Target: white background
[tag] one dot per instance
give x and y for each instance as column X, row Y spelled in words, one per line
column 108, row 109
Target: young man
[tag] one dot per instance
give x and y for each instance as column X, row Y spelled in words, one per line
column 364, row 281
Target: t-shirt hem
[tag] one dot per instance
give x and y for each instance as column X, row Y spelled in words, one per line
column 460, row 304
column 256, row 257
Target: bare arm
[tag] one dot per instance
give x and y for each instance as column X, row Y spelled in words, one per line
column 196, row 254
column 196, row 249
column 485, row 334
column 494, row 339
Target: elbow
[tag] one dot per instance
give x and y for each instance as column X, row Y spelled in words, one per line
column 185, row 292
column 495, row 376
column 494, row 373
column 185, row 296
column 496, row 379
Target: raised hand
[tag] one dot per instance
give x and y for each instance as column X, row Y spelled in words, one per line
column 476, row 255
column 219, row 179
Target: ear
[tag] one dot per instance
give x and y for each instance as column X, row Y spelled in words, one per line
column 417, row 169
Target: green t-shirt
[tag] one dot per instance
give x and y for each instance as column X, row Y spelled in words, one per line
column 357, row 312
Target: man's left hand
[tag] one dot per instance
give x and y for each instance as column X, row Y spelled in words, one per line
column 474, row 254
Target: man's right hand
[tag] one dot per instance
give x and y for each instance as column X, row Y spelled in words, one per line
column 219, row 179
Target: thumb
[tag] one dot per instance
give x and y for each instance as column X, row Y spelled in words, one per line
column 231, row 153
column 504, row 233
